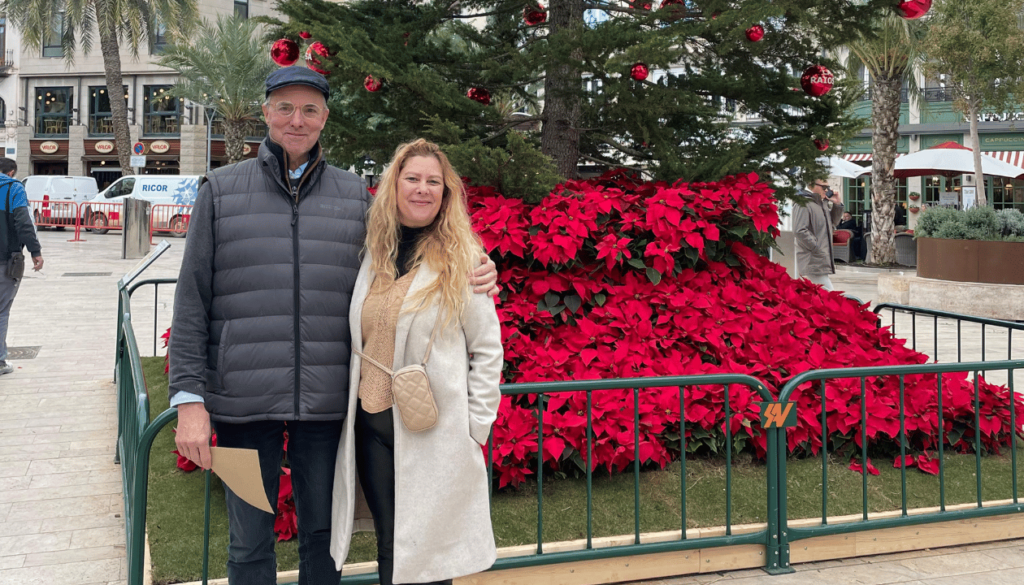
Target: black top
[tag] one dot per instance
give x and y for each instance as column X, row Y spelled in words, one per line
column 406, row 246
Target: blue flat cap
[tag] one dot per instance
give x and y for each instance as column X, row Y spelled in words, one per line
column 298, row 75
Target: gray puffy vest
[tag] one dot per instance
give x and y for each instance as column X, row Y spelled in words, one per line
column 282, row 282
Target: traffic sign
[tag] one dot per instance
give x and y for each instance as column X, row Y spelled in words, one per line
column 138, row 161
column 139, row 148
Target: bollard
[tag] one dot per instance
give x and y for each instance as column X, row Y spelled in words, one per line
column 135, row 234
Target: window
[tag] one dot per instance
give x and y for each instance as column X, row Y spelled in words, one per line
column 53, row 110
column 100, row 119
column 159, row 39
column 255, row 129
column 242, row 8
column 858, row 195
column 52, row 37
column 161, row 111
column 1008, row 194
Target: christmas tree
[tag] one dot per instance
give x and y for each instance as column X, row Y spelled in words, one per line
column 693, row 89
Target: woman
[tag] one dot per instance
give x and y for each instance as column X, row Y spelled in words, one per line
column 427, row 490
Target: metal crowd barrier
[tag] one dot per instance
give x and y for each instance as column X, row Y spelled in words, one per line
column 101, row 217
column 136, row 434
column 789, row 534
column 986, row 324
column 171, row 219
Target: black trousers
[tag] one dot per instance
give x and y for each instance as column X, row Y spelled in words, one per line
column 375, row 461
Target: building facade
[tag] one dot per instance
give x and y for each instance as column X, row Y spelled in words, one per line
column 927, row 122
column 58, row 119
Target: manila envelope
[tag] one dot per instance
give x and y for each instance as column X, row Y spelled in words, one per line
column 239, row 469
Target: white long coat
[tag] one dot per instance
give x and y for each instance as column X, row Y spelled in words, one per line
column 442, row 510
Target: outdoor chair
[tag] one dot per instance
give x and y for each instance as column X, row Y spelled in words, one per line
column 841, row 245
column 906, row 249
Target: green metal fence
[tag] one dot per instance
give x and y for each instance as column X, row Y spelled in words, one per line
column 136, row 434
column 789, row 534
column 986, row 324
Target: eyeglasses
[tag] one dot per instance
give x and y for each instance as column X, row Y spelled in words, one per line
column 287, row 109
column 825, row 186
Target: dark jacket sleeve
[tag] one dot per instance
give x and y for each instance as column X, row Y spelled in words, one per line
column 26, row 232
column 190, row 325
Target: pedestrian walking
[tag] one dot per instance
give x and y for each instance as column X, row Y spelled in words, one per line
column 816, row 213
column 16, row 233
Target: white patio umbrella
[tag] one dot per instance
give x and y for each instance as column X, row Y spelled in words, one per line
column 950, row 159
column 839, row 167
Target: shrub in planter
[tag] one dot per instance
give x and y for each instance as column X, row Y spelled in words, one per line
column 1010, row 222
column 977, row 223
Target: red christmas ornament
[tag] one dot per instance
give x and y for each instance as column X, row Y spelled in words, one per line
column 639, row 71
column 677, row 10
column 534, row 15
column 821, row 144
column 372, row 84
column 642, row 4
column 284, row 52
column 817, row 80
column 913, row 9
column 755, row 33
column 479, row 94
column 304, row 35
column 313, row 51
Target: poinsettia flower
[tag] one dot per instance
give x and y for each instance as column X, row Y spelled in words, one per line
column 856, row 466
column 928, row 464
column 906, row 461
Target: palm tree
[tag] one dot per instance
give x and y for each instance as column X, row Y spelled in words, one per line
column 223, row 69
column 889, row 55
column 131, row 22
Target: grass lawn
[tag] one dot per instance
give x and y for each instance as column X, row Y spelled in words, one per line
column 175, row 513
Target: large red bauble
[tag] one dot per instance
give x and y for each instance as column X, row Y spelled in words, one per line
column 817, row 80
column 314, row 51
column 639, row 72
column 672, row 9
column 755, row 33
column 913, row 9
column 479, row 94
column 284, row 52
column 821, row 144
column 534, row 15
column 372, row 84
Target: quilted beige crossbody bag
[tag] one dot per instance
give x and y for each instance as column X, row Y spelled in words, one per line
column 410, row 389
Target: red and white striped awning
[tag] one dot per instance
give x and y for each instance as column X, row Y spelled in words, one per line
column 1013, row 157
column 863, row 157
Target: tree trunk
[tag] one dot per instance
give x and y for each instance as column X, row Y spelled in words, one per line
column 234, row 140
column 115, row 84
column 979, row 178
column 560, row 137
column 885, row 118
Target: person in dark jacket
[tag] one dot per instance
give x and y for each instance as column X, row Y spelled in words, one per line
column 16, row 232
column 848, row 223
column 260, row 339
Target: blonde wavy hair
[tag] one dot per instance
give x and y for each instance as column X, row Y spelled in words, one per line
column 448, row 245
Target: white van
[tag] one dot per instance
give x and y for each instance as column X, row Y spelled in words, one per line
column 56, row 192
column 174, row 190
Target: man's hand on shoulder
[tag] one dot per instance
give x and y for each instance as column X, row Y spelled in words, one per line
column 193, row 434
column 485, row 278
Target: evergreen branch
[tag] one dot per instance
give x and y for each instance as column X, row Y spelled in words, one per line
column 508, row 126
column 614, row 164
column 517, row 85
column 620, row 147
column 480, row 14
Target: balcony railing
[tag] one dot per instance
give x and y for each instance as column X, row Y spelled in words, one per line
column 869, row 91
column 254, row 129
column 161, row 125
column 938, row 94
column 6, row 62
column 101, row 125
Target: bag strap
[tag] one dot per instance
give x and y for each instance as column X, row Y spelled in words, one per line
column 426, row 356
column 13, row 243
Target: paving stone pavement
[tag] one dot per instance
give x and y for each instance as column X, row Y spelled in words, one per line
column 60, row 492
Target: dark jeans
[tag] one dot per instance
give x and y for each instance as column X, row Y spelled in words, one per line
column 312, row 448
column 375, row 461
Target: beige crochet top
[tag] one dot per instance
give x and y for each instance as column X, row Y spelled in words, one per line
column 379, row 324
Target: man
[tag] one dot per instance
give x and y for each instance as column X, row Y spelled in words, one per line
column 16, row 232
column 260, row 334
column 848, row 223
column 815, row 214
